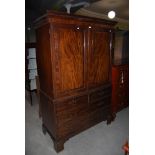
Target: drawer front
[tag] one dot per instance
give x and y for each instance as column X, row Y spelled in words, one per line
column 67, row 128
column 71, row 114
column 99, row 115
column 82, row 105
column 97, row 95
column 65, row 106
column 76, row 105
column 99, row 99
column 100, row 103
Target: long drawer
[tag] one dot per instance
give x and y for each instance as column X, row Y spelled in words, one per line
column 73, row 105
column 99, row 115
column 99, row 99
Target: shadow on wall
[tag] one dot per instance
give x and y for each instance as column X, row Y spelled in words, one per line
column 30, row 35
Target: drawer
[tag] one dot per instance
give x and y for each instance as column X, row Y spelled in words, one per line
column 72, row 104
column 70, row 110
column 99, row 115
column 66, row 117
column 74, row 125
column 67, row 128
column 100, row 103
column 71, row 127
column 82, row 105
column 101, row 112
column 66, row 105
column 72, row 116
column 100, row 94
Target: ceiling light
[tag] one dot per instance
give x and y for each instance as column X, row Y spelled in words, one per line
column 111, row 14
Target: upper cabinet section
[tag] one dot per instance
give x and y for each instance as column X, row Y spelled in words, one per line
column 77, row 51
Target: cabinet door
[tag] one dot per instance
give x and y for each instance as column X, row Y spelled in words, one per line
column 69, row 63
column 99, row 57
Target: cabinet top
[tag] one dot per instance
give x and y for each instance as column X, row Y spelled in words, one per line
column 51, row 16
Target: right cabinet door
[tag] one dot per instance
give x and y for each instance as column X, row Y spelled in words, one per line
column 98, row 57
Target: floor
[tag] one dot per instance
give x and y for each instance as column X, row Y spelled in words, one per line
column 101, row 139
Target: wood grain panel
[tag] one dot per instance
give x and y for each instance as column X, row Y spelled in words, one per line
column 69, row 58
column 99, row 60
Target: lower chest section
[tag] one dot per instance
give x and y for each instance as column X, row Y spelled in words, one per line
column 81, row 112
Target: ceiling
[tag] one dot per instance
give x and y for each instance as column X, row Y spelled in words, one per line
column 96, row 8
column 121, row 7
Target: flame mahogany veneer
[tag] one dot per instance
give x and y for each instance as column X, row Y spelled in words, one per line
column 74, row 66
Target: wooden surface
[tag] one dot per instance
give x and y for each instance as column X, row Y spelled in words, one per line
column 74, row 67
column 120, row 87
column 69, row 58
column 99, row 57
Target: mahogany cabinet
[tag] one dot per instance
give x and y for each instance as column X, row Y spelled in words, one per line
column 120, row 87
column 74, row 67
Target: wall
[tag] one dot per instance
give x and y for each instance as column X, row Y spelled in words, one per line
column 30, row 35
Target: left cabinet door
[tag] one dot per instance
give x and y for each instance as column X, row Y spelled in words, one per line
column 68, row 58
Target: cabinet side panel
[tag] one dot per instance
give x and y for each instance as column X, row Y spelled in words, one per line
column 48, row 114
column 44, row 59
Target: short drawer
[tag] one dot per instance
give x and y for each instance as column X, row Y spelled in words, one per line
column 63, row 106
column 69, row 110
column 67, row 128
column 76, row 103
column 66, row 116
column 99, row 115
column 81, row 104
column 100, row 94
column 100, row 103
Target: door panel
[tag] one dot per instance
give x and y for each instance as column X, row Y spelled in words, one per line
column 99, row 58
column 69, row 58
